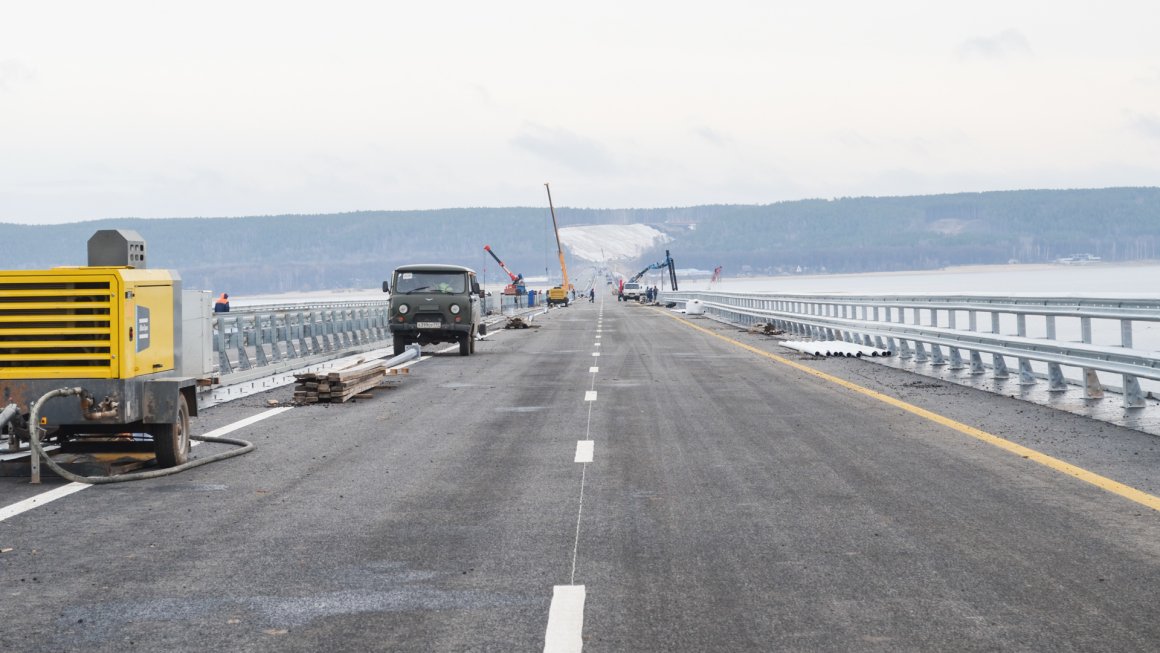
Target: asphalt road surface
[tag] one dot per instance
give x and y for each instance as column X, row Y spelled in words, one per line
column 619, row 479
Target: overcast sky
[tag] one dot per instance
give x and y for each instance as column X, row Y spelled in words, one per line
column 165, row 109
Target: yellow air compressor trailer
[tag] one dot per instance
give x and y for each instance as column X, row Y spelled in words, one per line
column 111, row 329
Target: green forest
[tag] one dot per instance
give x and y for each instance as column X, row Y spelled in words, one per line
column 286, row 253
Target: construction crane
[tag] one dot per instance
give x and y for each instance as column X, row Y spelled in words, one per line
column 559, row 294
column 660, row 265
column 516, row 287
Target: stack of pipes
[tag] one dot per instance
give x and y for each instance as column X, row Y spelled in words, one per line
column 834, row 348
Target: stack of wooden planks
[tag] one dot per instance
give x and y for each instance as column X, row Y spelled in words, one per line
column 342, row 385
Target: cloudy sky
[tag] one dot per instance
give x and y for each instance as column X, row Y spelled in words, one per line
column 211, row 108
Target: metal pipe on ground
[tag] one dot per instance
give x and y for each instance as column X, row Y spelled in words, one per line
column 833, row 348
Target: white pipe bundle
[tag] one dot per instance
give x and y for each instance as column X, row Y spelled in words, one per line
column 833, row 348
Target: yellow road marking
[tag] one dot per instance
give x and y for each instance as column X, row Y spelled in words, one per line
column 1103, row 482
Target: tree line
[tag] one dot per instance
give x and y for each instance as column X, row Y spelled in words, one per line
column 285, row 253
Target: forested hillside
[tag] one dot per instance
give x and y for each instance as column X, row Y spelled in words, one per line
column 311, row 252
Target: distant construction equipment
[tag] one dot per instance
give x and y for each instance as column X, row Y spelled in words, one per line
column 659, row 265
column 559, row 294
column 516, row 287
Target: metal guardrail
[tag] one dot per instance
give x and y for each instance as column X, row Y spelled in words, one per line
column 259, row 341
column 275, row 338
column 882, row 321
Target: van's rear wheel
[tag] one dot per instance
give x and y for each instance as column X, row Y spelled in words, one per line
column 171, row 441
column 400, row 345
column 465, row 343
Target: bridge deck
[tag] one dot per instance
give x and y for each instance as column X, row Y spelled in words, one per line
column 734, row 501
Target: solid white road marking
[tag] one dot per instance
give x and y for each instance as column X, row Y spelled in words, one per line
column 585, row 450
column 595, row 353
column 565, row 620
column 41, row 499
column 65, row 490
column 594, row 370
column 596, row 344
column 589, row 395
column 243, row 423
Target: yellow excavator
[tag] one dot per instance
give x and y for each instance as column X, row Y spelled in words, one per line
column 561, row 293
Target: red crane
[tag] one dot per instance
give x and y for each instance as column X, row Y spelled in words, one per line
column 516, row 287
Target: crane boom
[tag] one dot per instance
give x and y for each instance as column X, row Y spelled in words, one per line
column 660, row 265
column 516, row 287
column 559, row 248
column 516, row 278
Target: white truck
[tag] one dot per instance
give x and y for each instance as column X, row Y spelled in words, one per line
column 632, row 290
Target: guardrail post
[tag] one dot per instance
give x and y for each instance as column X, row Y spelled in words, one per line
column 354, row 319
column 342, row 327
column 288, row 327
column 240, row 334
column 956, row 359
column 275, row 350
column 353, row 322
column 1055, row 380
column 920, row 352
column 314, row 328
column 1133, row 396
column 904, row 349
column 999, row 367
column 977, row 363
column 936, row 355
column 326, row 326
column 222, row 346
column 259, row 348
column 1026, row 377
column 1092, row 387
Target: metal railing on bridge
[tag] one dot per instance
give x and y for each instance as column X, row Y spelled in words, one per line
column 257, row 341
column 1088, row 335
column 275, row 338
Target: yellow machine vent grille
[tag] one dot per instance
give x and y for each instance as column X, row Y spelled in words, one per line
column 56, row 328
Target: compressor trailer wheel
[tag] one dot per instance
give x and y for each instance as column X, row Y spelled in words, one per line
column 171, row 442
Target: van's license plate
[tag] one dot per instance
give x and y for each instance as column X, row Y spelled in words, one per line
column 429, row 325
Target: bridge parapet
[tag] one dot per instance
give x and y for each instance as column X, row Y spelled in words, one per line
column 277, row 338
column 259, row 341
column 1074, row 339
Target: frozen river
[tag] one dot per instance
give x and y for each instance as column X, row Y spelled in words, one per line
column 1105, row 280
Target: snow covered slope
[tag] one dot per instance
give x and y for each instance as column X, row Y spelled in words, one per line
column 610, row 242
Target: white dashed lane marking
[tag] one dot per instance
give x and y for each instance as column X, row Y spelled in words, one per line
column 565, row 620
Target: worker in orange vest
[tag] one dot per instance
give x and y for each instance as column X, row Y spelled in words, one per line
column 222, row 305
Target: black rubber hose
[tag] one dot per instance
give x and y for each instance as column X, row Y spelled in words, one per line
column 34, row 441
